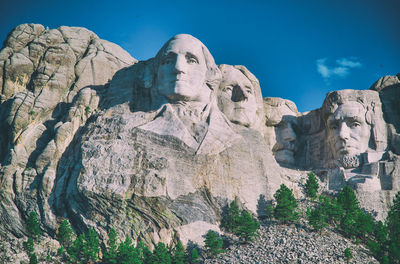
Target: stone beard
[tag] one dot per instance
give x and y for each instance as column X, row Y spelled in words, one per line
column 348, row 133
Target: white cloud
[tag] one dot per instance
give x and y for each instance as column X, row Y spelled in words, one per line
column 349, row 63
column 340, row 70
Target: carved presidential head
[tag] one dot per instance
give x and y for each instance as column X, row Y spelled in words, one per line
column 281, row 114
column 239, row 96
column 354, row 125
column 185, row 70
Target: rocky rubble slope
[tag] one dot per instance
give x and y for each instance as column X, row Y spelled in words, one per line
column 293, row 244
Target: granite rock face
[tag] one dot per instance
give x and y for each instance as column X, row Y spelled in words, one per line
column 50, row 82
column 157, row 148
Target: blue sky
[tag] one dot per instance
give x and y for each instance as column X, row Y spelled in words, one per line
column 298, row 49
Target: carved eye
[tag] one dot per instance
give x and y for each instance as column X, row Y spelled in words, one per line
column 166, row 59
column 248, row 90
column 191, row 59
column 354, row 124
column 333, row 126
column 228, row 88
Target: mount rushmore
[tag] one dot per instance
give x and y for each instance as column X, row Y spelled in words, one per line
column 155, row 149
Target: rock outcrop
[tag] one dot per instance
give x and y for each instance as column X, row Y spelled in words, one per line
column 156, row 149
column 50, row 80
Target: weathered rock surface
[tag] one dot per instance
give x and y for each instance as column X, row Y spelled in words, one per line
column 50, row 82
column 156, row 149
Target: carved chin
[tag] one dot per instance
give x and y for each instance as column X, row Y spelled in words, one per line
column 285, row 156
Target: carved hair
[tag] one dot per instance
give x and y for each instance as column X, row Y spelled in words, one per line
column 370, row 101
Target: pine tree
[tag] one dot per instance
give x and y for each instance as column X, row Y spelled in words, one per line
column 110, row 254
column 247, row 226
column 178, row 254
column 393, row 228
column 286, row 205
column 127, row 253
column 213, row 242
column 33, row 259
column 161, row 254
column 364, row 224
column 144, row 253
column 76, row 250
column 331, row 209
column 91, row 246
column 194, row 257
column 230, row 221
column 65, row 234
column 348, row 200
column 29, row 246
column 311, row 186
column 33, row 225
column 348, row 255
column 317, row 218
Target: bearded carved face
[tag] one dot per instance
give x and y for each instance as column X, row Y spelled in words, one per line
column 348, row 133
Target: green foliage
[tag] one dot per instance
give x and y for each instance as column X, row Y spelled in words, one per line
column 110, row 254
column 144, row 252
column 76, row 250
column 393, row 229
column 364, row 224
column 92, row 246
column 65, row 234
column 127, row 253
column 286, row 205
column 33, row 259
column 247, row 226
column 311, row 186
column 230, row 221
column 213, row 243
column 348, row 200
column 331, row 209
column 178, row 256
column 317, row 218
column 87, row 110
column 61, row 251
column 348, row 254
column 194, row 257
column 33, row 225
column 29, row 246
column 160, row 255
column 354, row 222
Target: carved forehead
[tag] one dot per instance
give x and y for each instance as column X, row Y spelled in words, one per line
column 349, row 110
column 231, row 75
column 185, row 45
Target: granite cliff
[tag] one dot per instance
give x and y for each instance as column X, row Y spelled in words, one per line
column 155, row 149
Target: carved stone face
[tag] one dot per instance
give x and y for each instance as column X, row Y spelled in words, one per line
column 281, row 115
column 182, row 71
column 285, row 146
column 236, row 97
column 348, row 131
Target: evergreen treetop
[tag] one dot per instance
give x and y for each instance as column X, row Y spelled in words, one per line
column 286, row 204
column 33, row 225
column 311, row 186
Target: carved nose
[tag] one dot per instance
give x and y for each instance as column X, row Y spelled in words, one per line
column 288, row 133
column 179, row 65
column 238, row 94
column 344, row 132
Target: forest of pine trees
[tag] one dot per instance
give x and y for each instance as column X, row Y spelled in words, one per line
column 342, row 213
